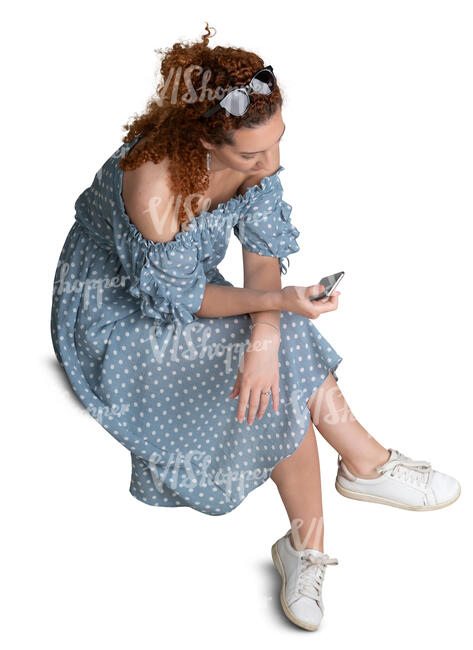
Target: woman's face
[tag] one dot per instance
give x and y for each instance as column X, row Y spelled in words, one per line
column 253, row 149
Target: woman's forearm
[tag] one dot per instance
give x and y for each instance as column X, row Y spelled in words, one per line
column 230, row 301
column 266, row 278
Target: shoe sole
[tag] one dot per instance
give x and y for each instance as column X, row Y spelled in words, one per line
column 278, row 564
column 388, row 502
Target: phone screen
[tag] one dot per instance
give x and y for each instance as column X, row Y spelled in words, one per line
column 329, row 282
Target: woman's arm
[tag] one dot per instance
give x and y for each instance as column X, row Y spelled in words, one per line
column 230, row 301
column 260, row 296
column 151, row 217
column 262, row 273
column 147, row 205
column 260, row 371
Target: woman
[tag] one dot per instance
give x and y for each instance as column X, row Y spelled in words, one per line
column 170, row 357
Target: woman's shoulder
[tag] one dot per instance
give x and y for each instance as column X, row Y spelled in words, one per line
column 147, row 172
column 147, row 199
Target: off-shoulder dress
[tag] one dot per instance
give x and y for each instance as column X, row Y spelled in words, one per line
column 157, row 377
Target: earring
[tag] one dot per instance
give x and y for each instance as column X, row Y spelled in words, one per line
column 209, row 159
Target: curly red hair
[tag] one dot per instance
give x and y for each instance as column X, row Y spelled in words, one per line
column 171, row 119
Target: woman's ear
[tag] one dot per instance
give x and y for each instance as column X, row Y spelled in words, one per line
column 206, row 144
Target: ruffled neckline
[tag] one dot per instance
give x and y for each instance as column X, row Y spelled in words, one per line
column 187, row 238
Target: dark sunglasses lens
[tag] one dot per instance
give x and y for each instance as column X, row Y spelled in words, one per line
column 236, row 102
column 263, row 82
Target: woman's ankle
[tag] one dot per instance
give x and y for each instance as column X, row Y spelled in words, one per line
column 312, row 543
column 364, row 468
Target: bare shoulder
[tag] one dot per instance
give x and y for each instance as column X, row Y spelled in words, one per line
column 135, row 181
column 148, row 200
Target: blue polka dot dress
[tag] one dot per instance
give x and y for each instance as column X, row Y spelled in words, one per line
column 157, row 377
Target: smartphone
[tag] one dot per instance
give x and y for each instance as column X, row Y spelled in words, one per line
column 329, row 282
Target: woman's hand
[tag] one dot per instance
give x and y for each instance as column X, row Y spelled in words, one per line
column 296, row 299
column 258, row 372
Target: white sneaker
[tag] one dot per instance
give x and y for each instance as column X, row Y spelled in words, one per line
column 403, row 483
column 302, row 574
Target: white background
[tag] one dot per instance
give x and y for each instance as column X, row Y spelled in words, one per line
column 378, row 169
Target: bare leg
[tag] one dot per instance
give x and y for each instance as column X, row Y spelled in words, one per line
column 297, row 478
column 333, row 418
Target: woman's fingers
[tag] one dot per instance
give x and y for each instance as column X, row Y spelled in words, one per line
column 333, row 301
column 242, row 402
column 258, row 402
column 255, row 396
column 275, row 391
column 235, row 391
column 315, row 289
column 263, row 403
column 236, row 386
column 328, row 304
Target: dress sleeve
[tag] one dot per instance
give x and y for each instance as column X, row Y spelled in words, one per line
column 265, row 225
column 167, row 278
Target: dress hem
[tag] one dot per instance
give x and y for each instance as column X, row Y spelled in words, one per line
column 332, row 368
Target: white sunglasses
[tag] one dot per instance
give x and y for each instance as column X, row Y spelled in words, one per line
column 237, row 101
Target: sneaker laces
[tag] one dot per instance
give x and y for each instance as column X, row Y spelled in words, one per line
column 416, row 472
column 312, row 574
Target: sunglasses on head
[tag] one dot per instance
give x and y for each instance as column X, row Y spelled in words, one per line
column 237, row 101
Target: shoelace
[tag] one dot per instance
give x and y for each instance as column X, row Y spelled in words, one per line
column 313, row 573
column 408, row 470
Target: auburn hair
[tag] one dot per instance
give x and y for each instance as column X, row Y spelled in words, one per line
column 194, row 78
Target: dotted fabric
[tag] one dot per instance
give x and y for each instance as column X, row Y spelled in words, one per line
column 154, row 375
